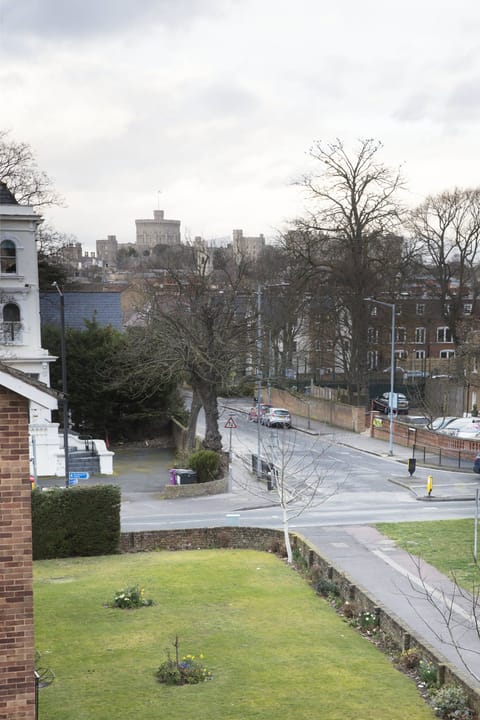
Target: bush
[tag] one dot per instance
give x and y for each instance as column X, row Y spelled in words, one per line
column 451, row 703
column 205, row 463
column 78, row 521
column 185, row 671
column 130, row 597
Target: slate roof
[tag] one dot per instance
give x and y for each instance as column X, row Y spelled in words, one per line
column 6, row 197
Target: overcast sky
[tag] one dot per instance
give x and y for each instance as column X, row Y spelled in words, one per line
column 207, row 108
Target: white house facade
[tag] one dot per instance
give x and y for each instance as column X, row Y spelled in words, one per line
column 20, row 337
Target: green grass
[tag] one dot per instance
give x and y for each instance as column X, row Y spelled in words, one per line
column 445, row 544
column 276, row 650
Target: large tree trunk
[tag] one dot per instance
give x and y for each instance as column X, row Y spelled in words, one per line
column 208, row 394
column 195, row 408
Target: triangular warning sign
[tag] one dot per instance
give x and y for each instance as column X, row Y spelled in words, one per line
column 231, row 423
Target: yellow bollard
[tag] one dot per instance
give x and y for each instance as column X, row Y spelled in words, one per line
column 429, row 485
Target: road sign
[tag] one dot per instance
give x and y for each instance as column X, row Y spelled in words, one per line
column 78, row 476
column 231, row 424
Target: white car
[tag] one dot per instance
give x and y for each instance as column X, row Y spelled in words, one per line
column 276, row 417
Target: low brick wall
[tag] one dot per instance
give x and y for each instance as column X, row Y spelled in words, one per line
column 201, row 539
column 348, row 417
column 421, row 437
column 215, row 487
column 265, row 539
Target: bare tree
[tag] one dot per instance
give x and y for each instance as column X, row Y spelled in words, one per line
column 194, row 327
column 346, row 237
column 20, row 173
column 448, row 228
column 298, row 479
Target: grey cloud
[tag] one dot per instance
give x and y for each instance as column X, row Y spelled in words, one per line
column 465, row 98
column 414, row 108
column 80, row 18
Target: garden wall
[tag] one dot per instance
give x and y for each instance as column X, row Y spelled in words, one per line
column 348, row 417
column 214, row 487
column 317, row 567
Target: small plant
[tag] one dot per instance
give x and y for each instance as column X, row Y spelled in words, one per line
column 130, row 597
column 409, row 659
column 327, row 588
column 299, row 561
column 185, row 671
column 348, row 610
column 450, row 702
column 427, row 672
column 368, row 622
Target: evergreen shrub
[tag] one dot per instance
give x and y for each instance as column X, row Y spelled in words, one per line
column 78, row 521
column 206, row 464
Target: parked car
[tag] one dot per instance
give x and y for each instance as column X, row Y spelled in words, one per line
column 253, row 414
column 462, row 427
column 441, row 422
column 476, row 464
column 277, row 417
column 382, row 404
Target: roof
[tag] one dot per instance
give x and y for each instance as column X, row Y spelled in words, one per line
column 6, row 197
column 34, row 390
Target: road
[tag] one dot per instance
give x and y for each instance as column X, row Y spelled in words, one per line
column 356, row 487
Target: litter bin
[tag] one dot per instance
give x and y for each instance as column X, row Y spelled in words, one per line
column 412, row 464
column 185, row 477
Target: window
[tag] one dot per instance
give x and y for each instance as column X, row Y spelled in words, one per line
column 401, row 335
column 11, row 322
column 373, row 335
column 420, row 308
column 401, row 354
column 420, row 335
column 467, row 308
column 372, row 360
column 373, row 310
column 447, row 354
column 8, row 257
column 444, row 335
column 420, row 355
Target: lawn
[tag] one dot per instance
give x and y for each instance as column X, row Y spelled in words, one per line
column 276, row 650
column 445, row 544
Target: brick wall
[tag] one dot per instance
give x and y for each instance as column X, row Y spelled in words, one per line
column 344, row 416
column 17, row 685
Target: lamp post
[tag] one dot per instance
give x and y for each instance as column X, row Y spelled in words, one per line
column 392, row 369
column 259, row 372
column 64, row 381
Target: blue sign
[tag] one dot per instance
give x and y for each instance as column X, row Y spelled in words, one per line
column 78, row 476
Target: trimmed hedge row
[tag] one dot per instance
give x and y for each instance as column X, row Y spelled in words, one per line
column 79, row 521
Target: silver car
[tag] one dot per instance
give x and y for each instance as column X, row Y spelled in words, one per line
column 277, row 417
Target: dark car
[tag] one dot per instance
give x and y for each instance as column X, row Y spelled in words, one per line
column 382, row 404
column 476, row 464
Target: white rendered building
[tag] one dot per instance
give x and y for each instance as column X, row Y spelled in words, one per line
column 20, row 338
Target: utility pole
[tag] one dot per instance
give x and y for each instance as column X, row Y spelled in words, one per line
column 63, row 350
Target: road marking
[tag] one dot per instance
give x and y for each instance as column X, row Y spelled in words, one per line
column 423, row 585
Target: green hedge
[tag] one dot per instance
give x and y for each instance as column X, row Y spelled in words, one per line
column 78, row 521
column 205, row 463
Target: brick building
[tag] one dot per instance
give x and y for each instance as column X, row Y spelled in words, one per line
column 17, row 657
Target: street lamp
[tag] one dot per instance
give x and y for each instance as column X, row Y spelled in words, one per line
column 392, row 369
column 259, row 371
column 64, row 381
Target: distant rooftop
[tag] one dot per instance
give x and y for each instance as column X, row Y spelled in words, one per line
column 6, row 197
